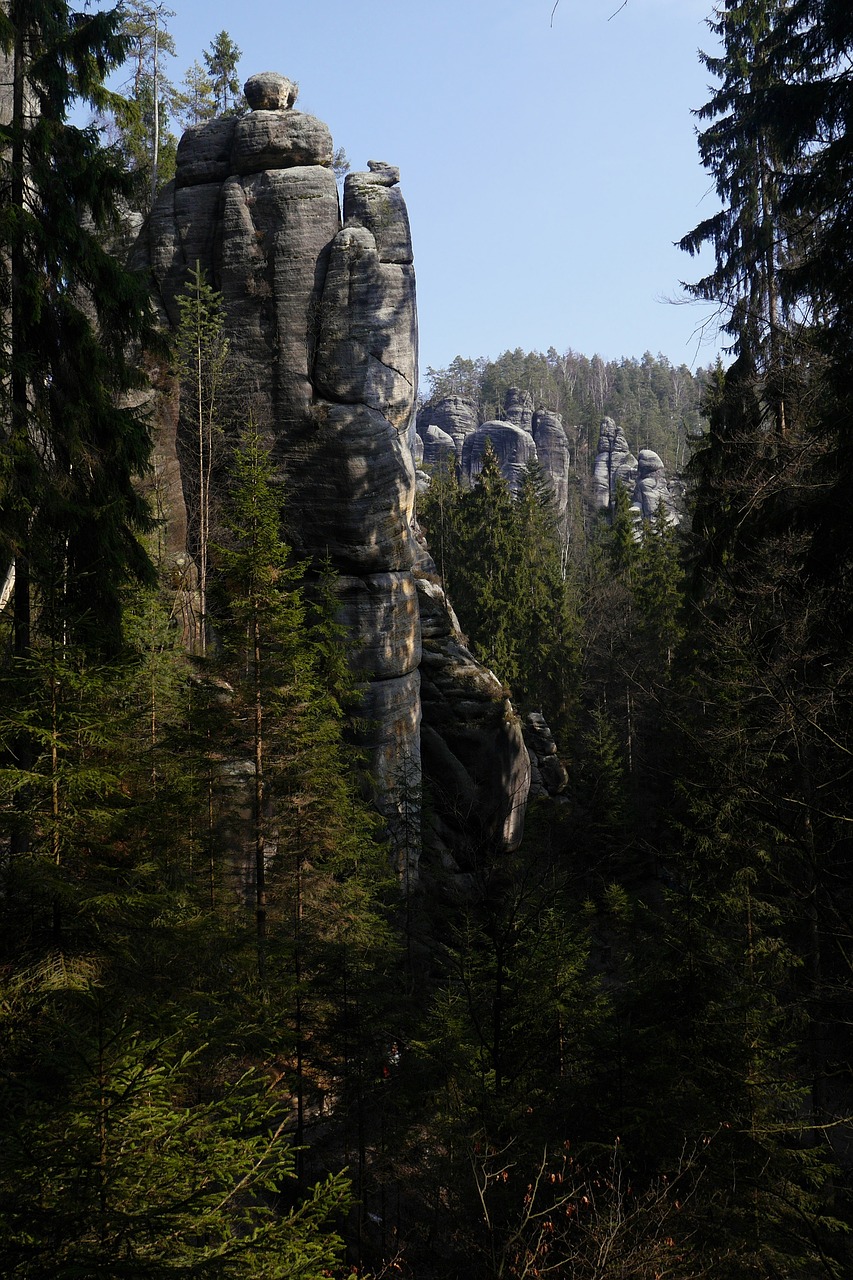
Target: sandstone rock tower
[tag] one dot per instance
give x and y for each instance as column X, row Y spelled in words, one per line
column 323, row 328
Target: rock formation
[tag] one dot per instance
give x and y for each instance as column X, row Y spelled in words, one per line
column 513, row 446
column 614, row 464
column 519, row 436
column 644, row 478
column 518, row 408
column 652, row 487
column 454, row 415
column 552, row 449
column 322, row 325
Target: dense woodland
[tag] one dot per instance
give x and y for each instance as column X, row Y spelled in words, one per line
column 622, row 1052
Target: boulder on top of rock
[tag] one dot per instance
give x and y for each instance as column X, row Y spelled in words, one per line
column 382, row 174
column 379, row 206
column 270, row 91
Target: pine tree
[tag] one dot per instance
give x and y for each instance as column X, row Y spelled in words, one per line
column 658, row 589
column 749, row 234
column 221, row 62
column 149, row 147
column 485, row 576
column 201, row 350
column 71, row 510
column 548, row 643
column 195, row 102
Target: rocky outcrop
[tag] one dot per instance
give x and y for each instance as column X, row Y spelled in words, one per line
column 614, row 464
column 518, row 408
column 438, row 447
column 548, row 775
column 513, row 447
column 473, row 746
column 454, row 415
column 552, row 449
column 518, row 437
column 644, row 477
column 652, row 487
column 323, row 330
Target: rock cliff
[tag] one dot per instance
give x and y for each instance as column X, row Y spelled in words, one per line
column 322, row 324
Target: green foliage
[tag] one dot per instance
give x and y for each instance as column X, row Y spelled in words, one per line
column 71, row 446
column 195, row 102
column 119, row 1158
column 201, row 359
column 221, row 60
column 148, row 147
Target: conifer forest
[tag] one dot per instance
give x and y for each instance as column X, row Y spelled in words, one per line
column 275, row 1001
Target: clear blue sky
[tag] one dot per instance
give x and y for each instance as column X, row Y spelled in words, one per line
column 548, row 168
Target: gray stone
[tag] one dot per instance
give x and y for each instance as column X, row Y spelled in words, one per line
column 380, row 612
column 351, row 481
column 279, row 140
column 438, row 447
column 386, row 174
column 204, row 152
column 513, row 446
column 323, row 338
column 518, row 408
column 474, row 753
column 392, row 742
column 371, row 202
column 269, row 91
column 367, row 343
column 276, row 232
column 548, row 773
column 455, row 415
column 652, row 487
column 552, row 449
column 614, row 464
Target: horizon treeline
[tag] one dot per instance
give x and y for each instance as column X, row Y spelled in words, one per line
column 657, row 404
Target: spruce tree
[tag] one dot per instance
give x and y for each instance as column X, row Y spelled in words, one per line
column 150, row 149
column 201, row 351
column 485, row 576
column 71, row 513
column 221, row 61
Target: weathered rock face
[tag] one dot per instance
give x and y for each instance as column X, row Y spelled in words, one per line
column 518, row 408
column 473, row 745
column 652, row 487
column 454, row 415
column 438, row 447
column 548, row 776
column 513, row 446
column 643, row 477
column 518, row 437
column 614, row 463
column 323, row 330
column 552, row 448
